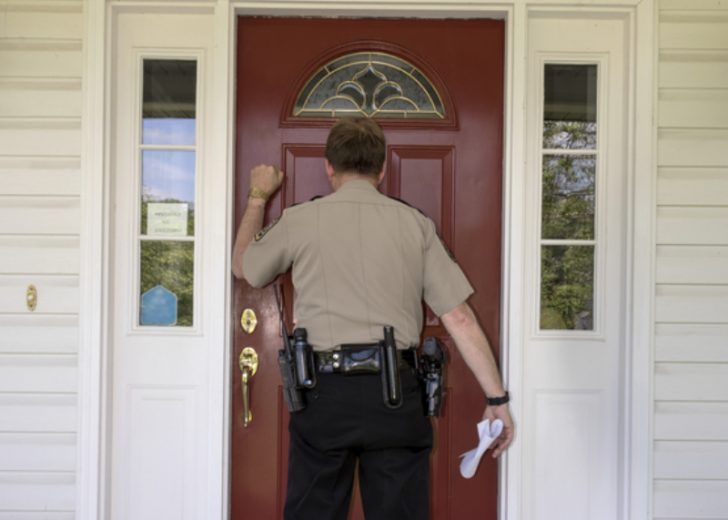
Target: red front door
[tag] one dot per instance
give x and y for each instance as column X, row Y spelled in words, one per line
column 449, row 167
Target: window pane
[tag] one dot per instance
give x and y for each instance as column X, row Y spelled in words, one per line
column 570, row 106
column 369, row 84
column 568, row 197
column 567, row 288
column 168, row 110
column 167, row 270
column 168, row 193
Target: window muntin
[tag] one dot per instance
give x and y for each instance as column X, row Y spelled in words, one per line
column 569, row 181
column 168, row 158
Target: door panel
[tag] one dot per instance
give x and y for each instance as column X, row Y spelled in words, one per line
column 450, row 169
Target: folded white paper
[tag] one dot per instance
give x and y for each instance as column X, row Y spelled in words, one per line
column 487, row 433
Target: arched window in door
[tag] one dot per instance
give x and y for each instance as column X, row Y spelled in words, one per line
column 370, row 84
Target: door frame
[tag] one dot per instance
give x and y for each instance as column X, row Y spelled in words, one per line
column 95, row 297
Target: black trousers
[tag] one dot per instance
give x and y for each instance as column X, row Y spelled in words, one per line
column 346, row 421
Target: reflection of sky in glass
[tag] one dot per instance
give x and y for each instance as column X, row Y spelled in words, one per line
column 168, row 130
column 572, row 175
column 168, row 175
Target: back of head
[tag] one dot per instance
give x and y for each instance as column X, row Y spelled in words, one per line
column 356, row 145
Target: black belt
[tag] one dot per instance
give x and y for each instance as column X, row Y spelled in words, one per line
column 358, row 359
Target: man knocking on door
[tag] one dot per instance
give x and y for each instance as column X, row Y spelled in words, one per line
column 362, row 263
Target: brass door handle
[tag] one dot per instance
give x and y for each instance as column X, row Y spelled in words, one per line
column 248, row 368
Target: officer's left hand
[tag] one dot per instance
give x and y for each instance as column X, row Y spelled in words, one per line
column 506, row 437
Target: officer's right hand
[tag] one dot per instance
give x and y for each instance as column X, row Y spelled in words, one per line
column 266, row 178
column 504, row 441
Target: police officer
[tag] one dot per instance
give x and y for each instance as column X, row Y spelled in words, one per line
column 360, row 261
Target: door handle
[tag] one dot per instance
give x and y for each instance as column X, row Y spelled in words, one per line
column 248, row 367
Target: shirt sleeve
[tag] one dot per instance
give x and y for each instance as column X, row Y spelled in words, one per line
column 445, row 284
column 268, row 254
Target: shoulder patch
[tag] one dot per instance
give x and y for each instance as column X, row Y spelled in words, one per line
column 260, row 234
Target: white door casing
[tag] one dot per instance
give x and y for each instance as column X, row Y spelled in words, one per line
column 573, row 415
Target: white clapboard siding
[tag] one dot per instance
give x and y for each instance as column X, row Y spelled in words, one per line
column 693, row 108
column 38, row 452
column 40, row 97
column 693, row 30
column 692, row 225
column 35, row 373
column 676, row 421
column 692, row 186
column 39, row 255
column 691, row 342
column 693, row 69
column 692, row 264
column 39, row 215
column 691, row 381
column 33, row 333
column 37, row 491
column 691, row 460
column 40, row 175
column 40, row 136
column 695, row 5
column 692, row 147
column 41, row 63
column 692, row 304
column 37, row 413
column 51, row 58
column 55, row 294
column 24, row 19
column 691, row 499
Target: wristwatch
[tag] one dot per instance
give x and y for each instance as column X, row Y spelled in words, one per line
column 497, row 401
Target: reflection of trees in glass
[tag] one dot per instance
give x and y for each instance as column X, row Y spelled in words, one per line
column 190, row 215
column 568, row 197
column 171, row 265
column 569, row 134
column 567, row 287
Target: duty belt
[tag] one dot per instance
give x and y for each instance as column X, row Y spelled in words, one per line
column 358, row 359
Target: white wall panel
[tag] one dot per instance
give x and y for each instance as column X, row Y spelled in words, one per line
column 29, row 97
column 56, row 294
column 40, row 136
column 691, row 382
column 37, row 413
column 25, row 20
column 39, row 255
column 50, row 373
column 693, row 69
column 39, row 215
column 692, row 304
column 693, row 108
column 37, row 515
column 691, row 460
column 692, row 421
column 691, row 499
column 692, row 147
column 46, row 59
column 694, row 30
column 692, row 186
column 38, row 452
column 32, row 333
column 40, row 175
column 692, row 264
column 691, row 342
column 695, row 5
column 37, row 491
column 692, row 225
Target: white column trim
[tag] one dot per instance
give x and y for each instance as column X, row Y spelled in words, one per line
column 640, row 312
column 93, row 333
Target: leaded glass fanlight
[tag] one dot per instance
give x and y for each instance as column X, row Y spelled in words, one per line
column 370, row 84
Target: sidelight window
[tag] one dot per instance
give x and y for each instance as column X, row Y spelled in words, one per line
column 569, row 179
column 168, row 157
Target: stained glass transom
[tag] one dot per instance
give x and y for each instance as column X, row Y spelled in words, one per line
column 370, row 84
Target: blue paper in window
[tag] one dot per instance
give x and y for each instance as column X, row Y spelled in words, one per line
column 159, row 307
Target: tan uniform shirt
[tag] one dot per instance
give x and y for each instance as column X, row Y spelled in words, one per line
column 360, row 260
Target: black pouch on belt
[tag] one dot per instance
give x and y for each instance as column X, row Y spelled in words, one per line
column 391, row 382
